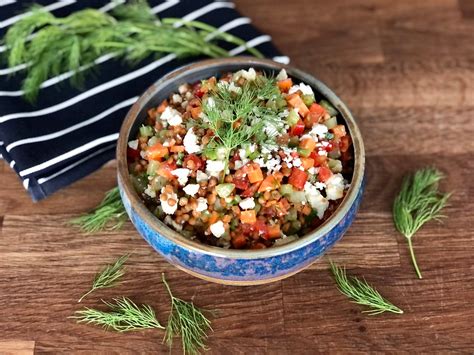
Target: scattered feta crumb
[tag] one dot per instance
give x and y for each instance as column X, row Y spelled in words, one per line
column 282, row 75
column 210, row 102
column 318, row 131
column 217, row 229
column 183, row 89
column 305, row 89
column 172, row 116
column 182, row 174
column 191, row 189
column 214, row 167
column 315, row 199
column 168, row 209
column 320, row 185
column 150, row 192
column 247, row 204
column 201, row 176
column 177, row 99
column 234, row 88
column 238, row 164
column 190, row 142
column 201, row 204
column 335, row 187
column 322, row 153
column 133, row 144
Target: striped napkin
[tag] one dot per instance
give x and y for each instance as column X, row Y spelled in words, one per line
column 70, row 133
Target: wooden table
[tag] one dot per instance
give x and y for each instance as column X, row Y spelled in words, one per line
column 406, row 69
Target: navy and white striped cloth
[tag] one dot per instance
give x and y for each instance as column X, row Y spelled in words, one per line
column 70, row 133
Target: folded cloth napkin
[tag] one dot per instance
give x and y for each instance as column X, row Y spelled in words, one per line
column 69, row 133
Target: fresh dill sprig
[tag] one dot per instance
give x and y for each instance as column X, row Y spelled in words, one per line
column 123, row 315
column 51, row 45
column 188, row 322
column 239, row 116
column 109, row 276
column 418, row 202
column 110, row 214
column 361, row 292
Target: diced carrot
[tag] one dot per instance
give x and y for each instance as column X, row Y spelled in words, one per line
column 339, row 131
column 214, row 217
column 157, row 151
column 278, row 175
column 306, row 210
column 270, row 183
column 274, row 231
column 285, row 84
column 248, row 216
column 307, row 144
column 196, row 111
column 165, row 170
column 177, row 149
column 254, row 173
column 162, row 107
column 295, row 101
column 319, row 160
column 307, row 163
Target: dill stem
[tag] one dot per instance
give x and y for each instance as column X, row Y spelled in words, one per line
column 85, row 294
column 413, row 258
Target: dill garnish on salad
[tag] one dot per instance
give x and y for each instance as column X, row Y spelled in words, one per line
column 243, row 161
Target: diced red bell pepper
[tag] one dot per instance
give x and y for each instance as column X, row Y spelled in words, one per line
column 261, row 228
column 165, row 170
column 316, row 113
column 297, row 129
column 298, row 178
column 241, row 183
column 319, row 160
column 250, row 191
column 324, row 174
column 133, row 154
column 193, row 162
column 345, row 143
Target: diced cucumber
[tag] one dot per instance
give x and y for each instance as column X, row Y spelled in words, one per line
column 297, row 197
column 281, row 102
column 331, row 122
column 335, row 165
column 253, row 155
column 158, row 182
column 221, row 153
column 152, row 167
column 286, row 189
column 271, row 104
column 292, row 215
column 146, row 131
column 292, row 118
column 308, row 99
column 328, row 107
column 224, row 190
column 140, row 182
column 258, row 207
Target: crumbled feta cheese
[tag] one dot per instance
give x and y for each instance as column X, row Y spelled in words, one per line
column 182, row 174
column 214, row 167
column 210, row 102
column 335, row 187
column 201, row 204
column 234, row 88
column 166, row 144
column 183, row 89
column 315, row 199
column 191, row 189
column 177, row 99
column 217, row 229
column 273, row 164
column 318, row 131
column 143, row 154
column 260, row 161
column 305, row 89
column 190, row 142
column 250, row 74
column 133, row 144
column 172, row 116
column 189, row 95
column 297, row 162
column 247, row 203
column 238, row 164
column 322, row 152
column 150, row 192
column 313, row 170
column 320, row 185
column 201, row 176
column 167, row 208
column 282, row 75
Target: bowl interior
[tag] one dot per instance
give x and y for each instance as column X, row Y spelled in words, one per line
column 215, row 67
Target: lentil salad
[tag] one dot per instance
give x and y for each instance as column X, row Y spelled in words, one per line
column 242, row 161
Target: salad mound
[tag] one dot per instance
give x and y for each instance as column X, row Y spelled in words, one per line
column 244, row 161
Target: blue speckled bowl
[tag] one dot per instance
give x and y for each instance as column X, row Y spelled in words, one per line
column 227, row 266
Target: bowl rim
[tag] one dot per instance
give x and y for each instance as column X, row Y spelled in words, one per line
column 245, row 62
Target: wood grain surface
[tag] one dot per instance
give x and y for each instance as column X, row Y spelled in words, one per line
column 406, row 70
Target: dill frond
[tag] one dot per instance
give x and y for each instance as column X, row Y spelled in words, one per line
column 110, row 214
column 109, row 276
column 52, row 45
column 418, row 202
column 123, row 315
column 188, row 322
column 361, row 292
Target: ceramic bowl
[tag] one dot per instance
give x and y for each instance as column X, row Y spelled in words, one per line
column 229, row 266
